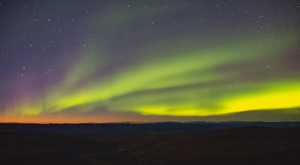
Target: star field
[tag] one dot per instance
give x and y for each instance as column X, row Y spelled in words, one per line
column 147, row 61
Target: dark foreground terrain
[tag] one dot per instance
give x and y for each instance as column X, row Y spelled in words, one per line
column 243, row 145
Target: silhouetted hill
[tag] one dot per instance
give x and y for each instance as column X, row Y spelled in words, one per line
column 234, row 144
column 18, row 143
column 47, row 148
column 167, row 127
column 242, row 145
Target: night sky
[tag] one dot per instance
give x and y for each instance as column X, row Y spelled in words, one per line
column 148, row 61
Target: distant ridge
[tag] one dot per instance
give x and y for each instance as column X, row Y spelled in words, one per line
column 158, row 127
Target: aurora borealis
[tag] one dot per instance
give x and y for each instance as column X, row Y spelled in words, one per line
column 147, row 61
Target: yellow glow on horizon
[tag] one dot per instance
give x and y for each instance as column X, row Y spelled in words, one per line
column 287, row 97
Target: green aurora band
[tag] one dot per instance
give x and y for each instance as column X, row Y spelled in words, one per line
column 199, row 82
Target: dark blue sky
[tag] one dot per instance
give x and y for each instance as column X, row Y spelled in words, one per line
column 112, row 61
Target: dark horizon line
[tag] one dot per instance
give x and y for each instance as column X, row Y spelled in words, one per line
column 166, row 122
